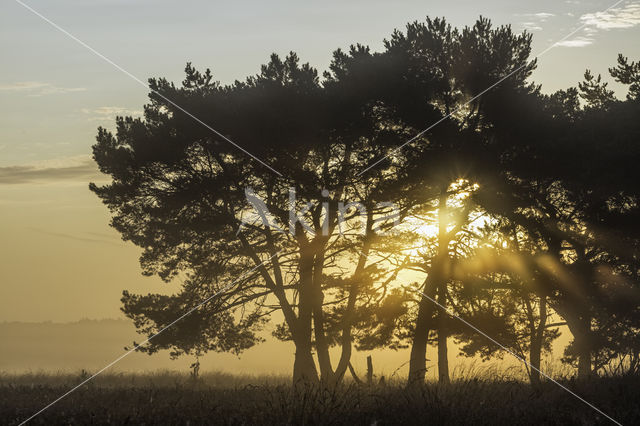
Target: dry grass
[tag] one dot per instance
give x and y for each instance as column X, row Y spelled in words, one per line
column 218, row 398
column 154, row 379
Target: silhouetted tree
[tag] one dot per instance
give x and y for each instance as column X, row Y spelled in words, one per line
column 461, row 64
column 178, row 192
column 563, row 194
column 502, row 294
column 554, row 176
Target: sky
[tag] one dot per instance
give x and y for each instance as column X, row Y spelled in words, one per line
column 59, row 259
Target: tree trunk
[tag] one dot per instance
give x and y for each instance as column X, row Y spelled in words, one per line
column 583, row 346
column 535, row 358
column 443, row 334
column 418, row 359
column 443, row 362
column 304, row 367
column 584, row 365
column 353, row 374
column 443, row 254
column 349, row 313
column 580, row 326
column 537, row 340
column 314, row 284
column 436, row 278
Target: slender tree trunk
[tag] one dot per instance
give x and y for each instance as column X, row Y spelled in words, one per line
column 580, row 327
column 537, row 340
column 583, row 335
column 353, row 374
column 583, row 344
column 443, row 251
column 535, row 358
column 304, row 368
column 345, row 358
column 443, row 361
column 443, row 334
column 322, row 345
column 436, row 278
column 418, row 360
column 349, row 313
column 584, row 364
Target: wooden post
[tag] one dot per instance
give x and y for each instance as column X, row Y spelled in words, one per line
column 369, row 370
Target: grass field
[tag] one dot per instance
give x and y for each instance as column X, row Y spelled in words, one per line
column 172, row 398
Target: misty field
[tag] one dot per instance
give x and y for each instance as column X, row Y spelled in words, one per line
column 216, row 398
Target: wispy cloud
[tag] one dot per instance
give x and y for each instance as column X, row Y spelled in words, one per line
column 38, row 88
column 109, row 113
column 618, row 18
column 534, row 20
column 531, row 26
column 626, row 17
column 576, row 42
column 80, row 169
column 543, row 15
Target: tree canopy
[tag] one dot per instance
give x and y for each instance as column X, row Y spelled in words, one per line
column 532, row 199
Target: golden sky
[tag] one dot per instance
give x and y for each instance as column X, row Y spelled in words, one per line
column 60, row 260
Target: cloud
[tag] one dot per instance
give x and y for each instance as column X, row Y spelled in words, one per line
column 534, row 20
column 531, row 26
column 621, row 18
column 543, row 16
column 38, row 88
column 576, row 42
column 626, row 17
column 80, row 169
column 109, row 113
